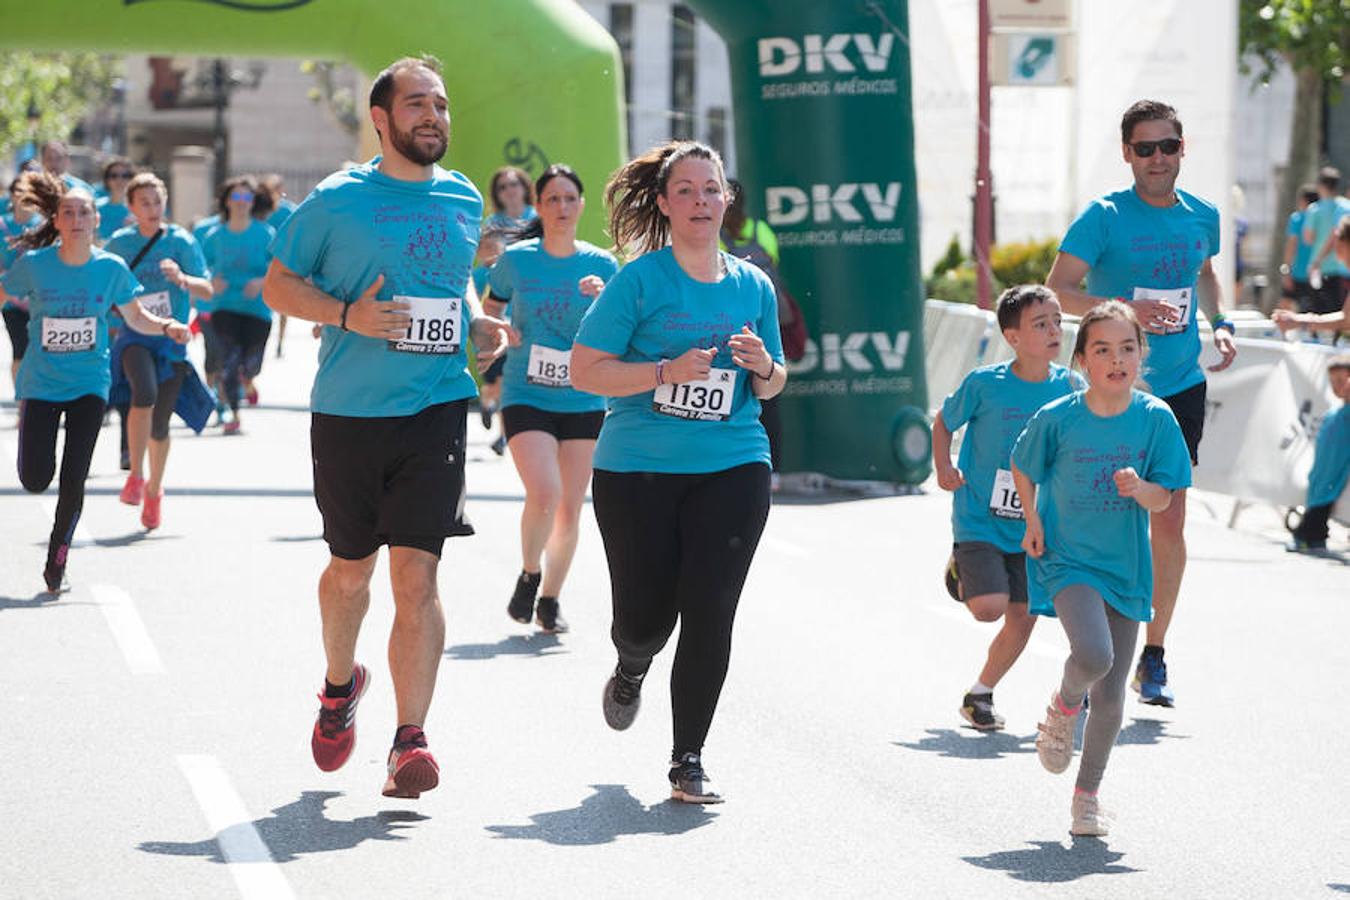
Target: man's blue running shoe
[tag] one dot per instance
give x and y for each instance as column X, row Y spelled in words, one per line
column 1150, row 681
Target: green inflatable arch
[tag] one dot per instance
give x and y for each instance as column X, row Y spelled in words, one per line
column 531, row 82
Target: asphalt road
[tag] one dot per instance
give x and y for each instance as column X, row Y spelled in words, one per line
column 155, row 719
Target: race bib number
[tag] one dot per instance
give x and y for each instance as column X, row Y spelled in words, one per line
column 68, row 335
column 1182, row 298
column 708, row 400
column 157, row 304
column 549, row 367
column 1004, row 502
column 434, row 328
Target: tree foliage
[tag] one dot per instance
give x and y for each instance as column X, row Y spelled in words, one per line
column 340, row 101
column 60, row 88
column 1305, row 34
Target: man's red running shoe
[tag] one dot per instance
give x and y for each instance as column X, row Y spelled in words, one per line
column 335, row 729
column 412, row 768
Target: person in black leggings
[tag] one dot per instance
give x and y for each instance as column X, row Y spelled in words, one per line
column 66, row 371
column 685, row 340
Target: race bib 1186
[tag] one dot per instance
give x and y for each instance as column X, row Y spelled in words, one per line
column 434, row 326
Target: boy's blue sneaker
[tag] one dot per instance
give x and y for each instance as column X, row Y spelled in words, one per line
column 1150, row 681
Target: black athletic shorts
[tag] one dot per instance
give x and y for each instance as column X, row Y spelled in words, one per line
column 577, row 426
column 494, row 371
column 985, row 569
column 16, row 323
column 395, row 480
column 1189, row 408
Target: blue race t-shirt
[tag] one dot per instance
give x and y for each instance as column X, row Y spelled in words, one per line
column 653, row 310
column 1303, row 251
column 1135, row 251
column 1321, row 219
column 1331, row 458
column 1094, row 536
column 161, row 297
column 68, row 326
column 546, row 308
column 239, row 257
column 281, row 214
column 994, row 405
column 510, row 227
column 112, row 218
column 421, row 236
column 204, row 227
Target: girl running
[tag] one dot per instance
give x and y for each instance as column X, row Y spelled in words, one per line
column 1107, row 457
column 70, row 289
column 236, row 252
column 550, row 279
column 685, row 340
column 168, row 263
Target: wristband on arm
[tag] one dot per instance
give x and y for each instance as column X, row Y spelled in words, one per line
column 342, row 322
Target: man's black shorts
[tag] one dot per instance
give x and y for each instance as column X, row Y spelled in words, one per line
column 1189, row 408
column 575, row 426
column 395, row 480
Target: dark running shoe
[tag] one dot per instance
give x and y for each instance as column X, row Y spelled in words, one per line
column 689, row 783
column 412, row 768
column 485, row 412
column 622, row 699
column 335, row 729
column 499, row 445
column 1150, row 681
column 54, row 572
column 978, row 710
column 547, row 617
column 952, row 579
column 521, row 607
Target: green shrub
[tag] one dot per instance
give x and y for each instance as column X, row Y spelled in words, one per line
column 1024, row 263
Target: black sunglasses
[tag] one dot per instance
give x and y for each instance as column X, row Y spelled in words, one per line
column 1169, row 147
column 119, row 176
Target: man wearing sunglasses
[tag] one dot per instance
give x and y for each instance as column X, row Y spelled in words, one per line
column 1151, row 245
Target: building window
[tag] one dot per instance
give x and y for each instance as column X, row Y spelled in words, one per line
column 717, row 129
column 681, row 72
column 621, row 27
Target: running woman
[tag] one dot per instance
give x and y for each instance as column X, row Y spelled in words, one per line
column 685, row 341
column 550, row 279
column 114, row 213
column 1104, row 458
column 168, row 263
column 55, row 156
column 380, row 254
column 238, row 255
column 70, row 289
column 1151, row 245
column 988, row 570
column 14, row 222
column 512, row 202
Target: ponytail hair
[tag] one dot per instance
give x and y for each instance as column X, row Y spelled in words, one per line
column 535, row 227
column 42, row 192
column 635, row 221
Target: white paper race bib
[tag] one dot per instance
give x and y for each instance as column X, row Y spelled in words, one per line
column 157, row 304
column 1004, row 502
column 434, row 327
column 549, row 367
column 1182, row 298
column 708, row 400
column 68, row 335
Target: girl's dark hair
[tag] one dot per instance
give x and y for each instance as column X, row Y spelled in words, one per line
column 503, row 174
column 117, row 162
column 1102, row 312
column 261, row 206
column 635, row 221
column 535, row 227
column 1014, row 300
column 43, row 193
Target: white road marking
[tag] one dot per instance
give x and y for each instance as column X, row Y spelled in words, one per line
column 128, row 629
column 255, row 872
column 778, row 545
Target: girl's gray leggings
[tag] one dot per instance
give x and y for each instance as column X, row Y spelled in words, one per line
column 1101, row 651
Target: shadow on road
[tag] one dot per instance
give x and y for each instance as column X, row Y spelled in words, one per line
column 604, row 816
column 1340, row 888
column 299, row 828
column 971, row 744
column 539, row 644
column 1051, row 862
column 37, row 601
column 1147, row 731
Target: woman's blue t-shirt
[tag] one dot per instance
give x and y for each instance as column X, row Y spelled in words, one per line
column 68, row 322
column 653, row 310
column 546, row 308
column 239, row 257
column 175, row 244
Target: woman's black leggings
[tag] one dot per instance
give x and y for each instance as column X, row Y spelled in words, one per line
column 679, row 547
column 243, row 340
column 37, row 454
column 142, row 371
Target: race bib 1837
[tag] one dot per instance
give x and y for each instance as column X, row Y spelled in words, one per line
column 549, row 367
